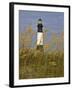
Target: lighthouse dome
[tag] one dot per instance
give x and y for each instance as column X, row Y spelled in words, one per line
column 39, row 21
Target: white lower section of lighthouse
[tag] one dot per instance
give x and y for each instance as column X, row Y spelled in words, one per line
column 40, row 38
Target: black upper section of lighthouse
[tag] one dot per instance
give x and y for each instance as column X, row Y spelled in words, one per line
column 40, row 26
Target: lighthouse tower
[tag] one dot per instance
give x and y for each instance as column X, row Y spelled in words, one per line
column 39, row 35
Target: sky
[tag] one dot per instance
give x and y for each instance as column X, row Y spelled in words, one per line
column 52, row 21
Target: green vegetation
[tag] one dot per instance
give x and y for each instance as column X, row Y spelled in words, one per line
column 37, row 64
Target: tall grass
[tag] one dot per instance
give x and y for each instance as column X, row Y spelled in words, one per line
column 37, row 64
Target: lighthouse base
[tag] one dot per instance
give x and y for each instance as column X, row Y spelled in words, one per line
column 40, row 47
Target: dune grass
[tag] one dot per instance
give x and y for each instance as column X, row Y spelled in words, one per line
column 37, row 64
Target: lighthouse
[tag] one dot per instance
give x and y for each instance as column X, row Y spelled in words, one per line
column 40, row 35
